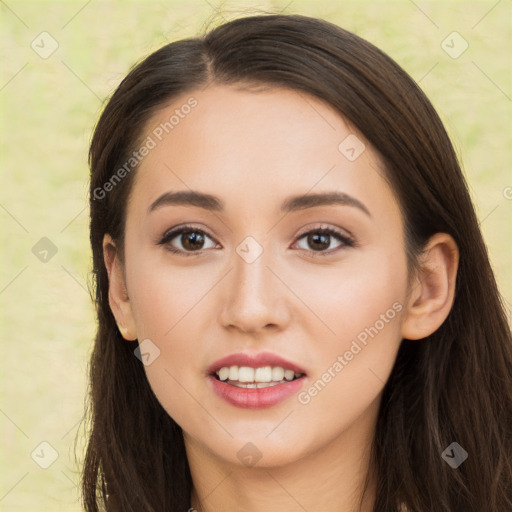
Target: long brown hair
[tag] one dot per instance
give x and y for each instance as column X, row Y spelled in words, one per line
column 454, row 386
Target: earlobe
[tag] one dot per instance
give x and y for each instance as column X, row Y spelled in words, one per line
column 433, row 290
column 117, row 294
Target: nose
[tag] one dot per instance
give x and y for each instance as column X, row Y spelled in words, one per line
column 254, row 299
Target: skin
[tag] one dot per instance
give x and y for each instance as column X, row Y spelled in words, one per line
column 253, row 150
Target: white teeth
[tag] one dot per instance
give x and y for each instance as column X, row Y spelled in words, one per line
column 289, row 374
column 277, row 373
column 253, row 385
column 233, row 373
column 224, row 373
column 265, row 384
column 245, row 374
column 263, row 376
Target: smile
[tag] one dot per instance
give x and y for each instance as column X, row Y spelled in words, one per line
column 256, row 378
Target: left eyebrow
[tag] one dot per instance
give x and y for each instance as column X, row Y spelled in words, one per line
column 291, row 204
column 302, row 202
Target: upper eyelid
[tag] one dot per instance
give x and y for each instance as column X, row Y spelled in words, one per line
column 338, row 231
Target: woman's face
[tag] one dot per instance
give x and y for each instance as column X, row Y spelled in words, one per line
column 258, row 279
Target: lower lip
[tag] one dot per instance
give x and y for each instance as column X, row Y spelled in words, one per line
column 255, row 398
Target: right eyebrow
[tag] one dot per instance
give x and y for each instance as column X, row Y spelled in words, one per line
column 188, row 198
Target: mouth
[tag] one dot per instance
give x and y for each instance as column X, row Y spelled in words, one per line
column 255, row 381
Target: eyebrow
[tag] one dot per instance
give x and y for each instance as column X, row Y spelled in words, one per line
column 291, row 204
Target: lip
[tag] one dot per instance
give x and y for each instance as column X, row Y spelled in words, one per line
column 255, row 398
column 254, row 361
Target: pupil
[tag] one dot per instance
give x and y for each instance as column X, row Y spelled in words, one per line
column 319, row 239
column 192, row 238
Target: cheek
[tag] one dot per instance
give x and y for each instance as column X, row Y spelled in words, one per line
column 351, row 297
column 165, row 296
column 171, row 308
column 360, row 307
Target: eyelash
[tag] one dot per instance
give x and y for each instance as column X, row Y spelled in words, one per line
column 346, row 240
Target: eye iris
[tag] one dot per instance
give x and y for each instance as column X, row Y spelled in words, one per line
column 191, row 238
column 319, row 240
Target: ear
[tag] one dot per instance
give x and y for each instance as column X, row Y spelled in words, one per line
column 432, row 291
column 117, row 293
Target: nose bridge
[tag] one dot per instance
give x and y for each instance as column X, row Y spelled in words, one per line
column 251, row 275
column 254, row 297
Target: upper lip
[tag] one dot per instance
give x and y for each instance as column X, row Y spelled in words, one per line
column 254, row 361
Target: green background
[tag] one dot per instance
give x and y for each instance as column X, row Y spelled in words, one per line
column 48, row 109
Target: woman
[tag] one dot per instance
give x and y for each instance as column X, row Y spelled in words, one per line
column 296, row 307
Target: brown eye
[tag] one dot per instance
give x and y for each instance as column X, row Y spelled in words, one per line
column 320, row 240
column 186, row 240
column 192, row 240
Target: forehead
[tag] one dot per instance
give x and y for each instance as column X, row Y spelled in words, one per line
column 255, row 147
